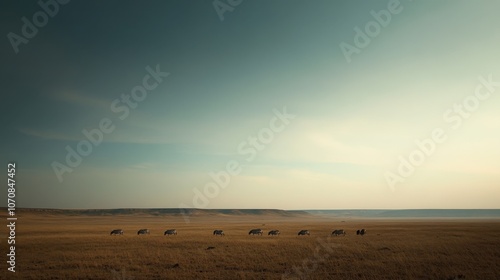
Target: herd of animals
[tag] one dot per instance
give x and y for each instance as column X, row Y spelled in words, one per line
column 257, row 231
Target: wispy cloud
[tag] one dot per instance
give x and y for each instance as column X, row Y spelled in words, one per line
column 143, row 165
column 48, row 135
column 74, row 97
column 316, row 142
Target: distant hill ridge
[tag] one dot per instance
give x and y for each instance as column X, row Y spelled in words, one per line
column 159, row 211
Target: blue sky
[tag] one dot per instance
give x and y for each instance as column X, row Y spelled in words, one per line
column 352, row 119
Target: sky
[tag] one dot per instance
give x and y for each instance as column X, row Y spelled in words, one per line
column 251, row 104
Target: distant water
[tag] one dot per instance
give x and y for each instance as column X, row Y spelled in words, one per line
column 412, row 213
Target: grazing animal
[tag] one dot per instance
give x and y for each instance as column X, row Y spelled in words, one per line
column 143, row 231
column 360, row 232
column 116, row 231
column 274, row 232
column 219, row 232
column 304, row 232
column 338, row 232
column 170, row 232
column 255, row 231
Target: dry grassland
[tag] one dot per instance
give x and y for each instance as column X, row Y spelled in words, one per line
column 80, row 247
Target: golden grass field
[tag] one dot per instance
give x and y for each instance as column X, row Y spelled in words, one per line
column 80, row 247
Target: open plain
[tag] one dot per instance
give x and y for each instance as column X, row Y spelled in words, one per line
column 61, row 246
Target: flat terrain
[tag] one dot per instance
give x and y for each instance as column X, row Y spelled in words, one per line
column 80, row 247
